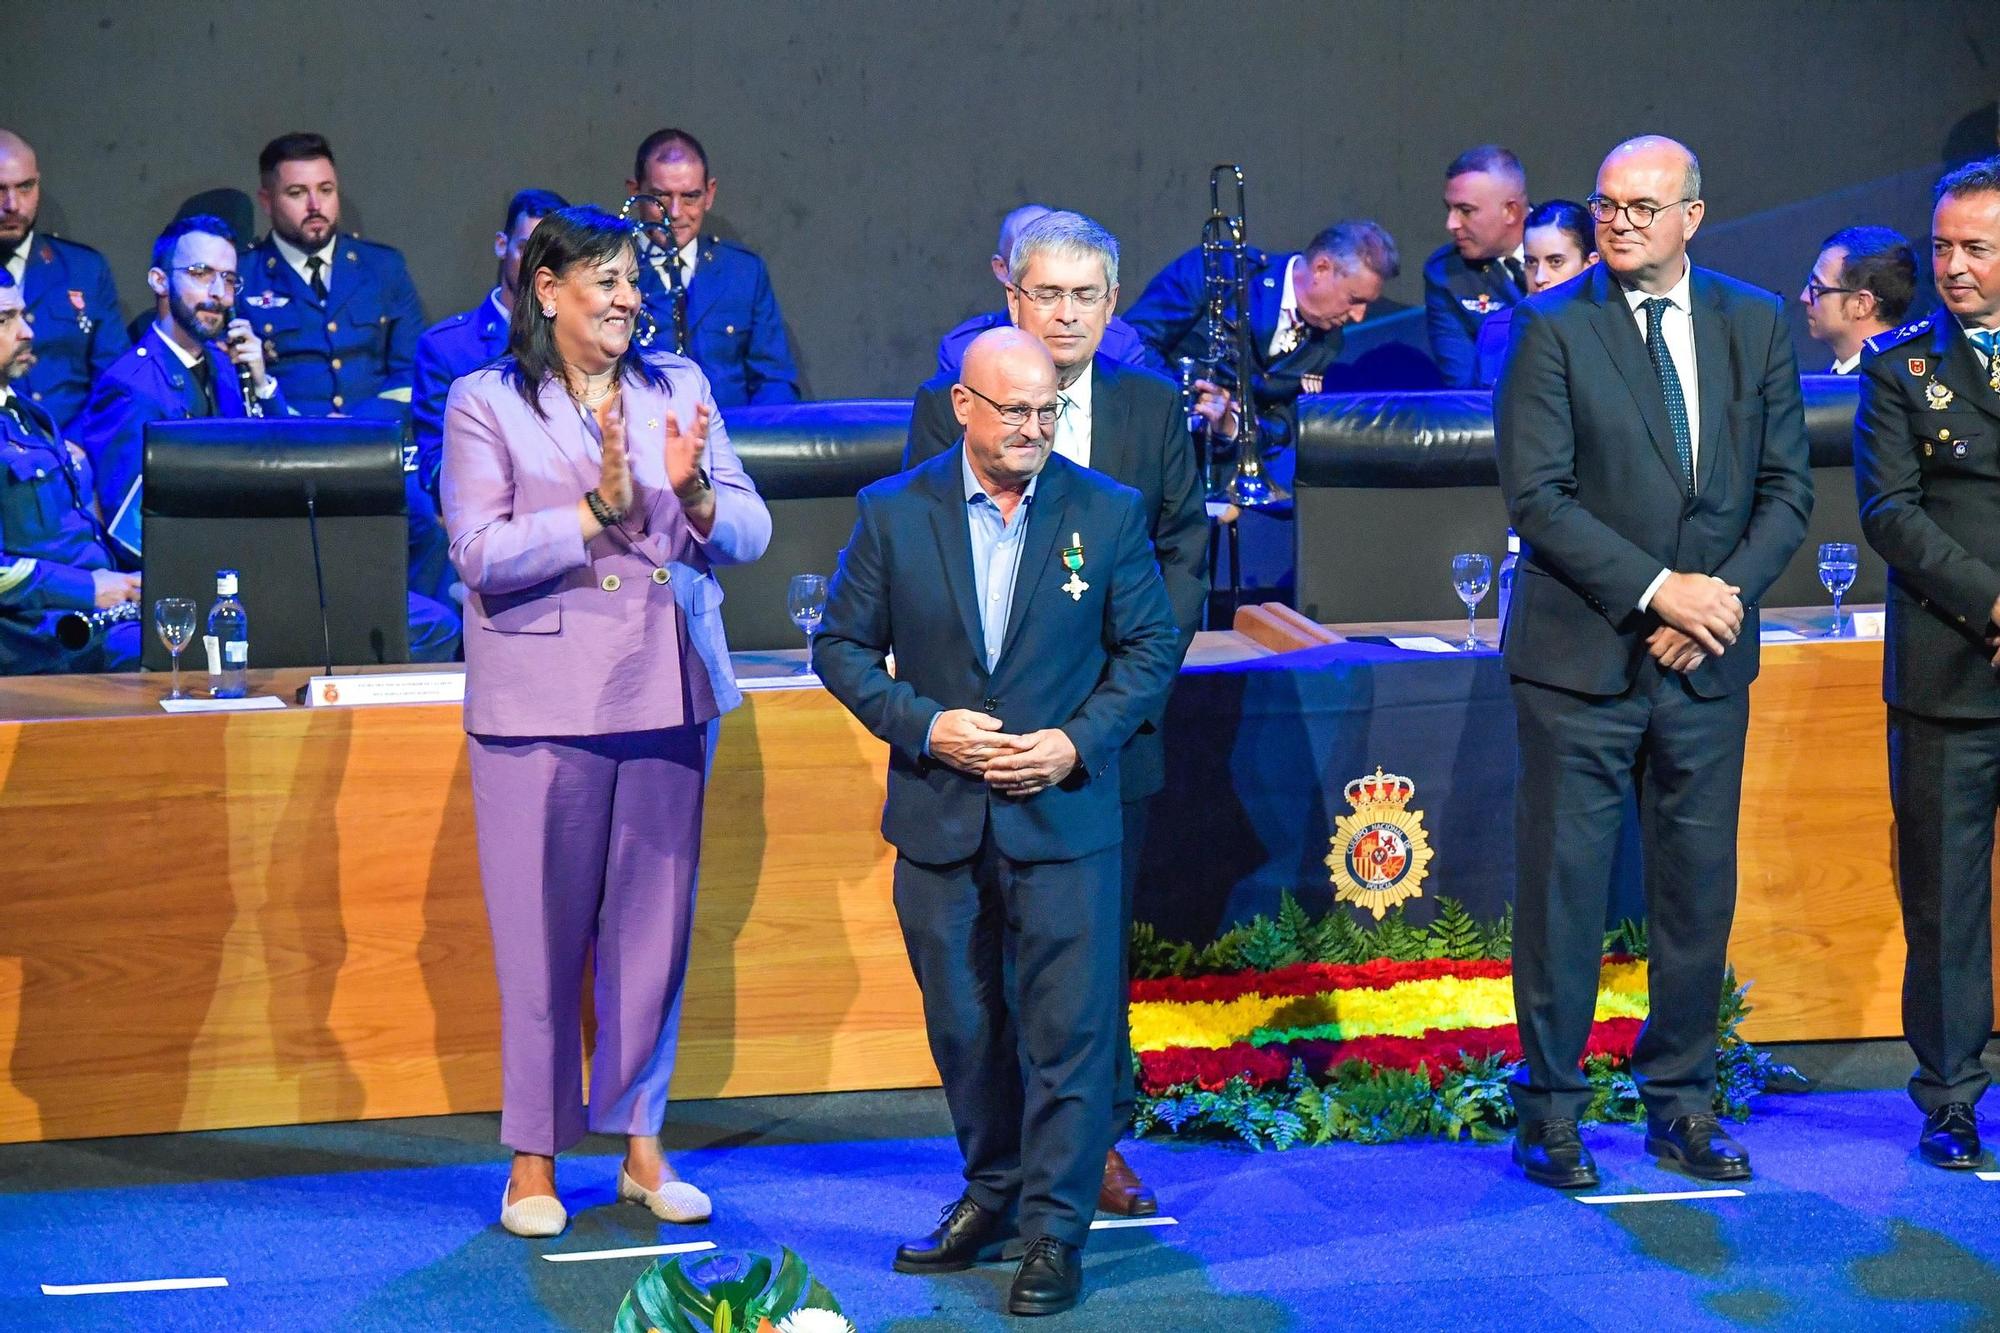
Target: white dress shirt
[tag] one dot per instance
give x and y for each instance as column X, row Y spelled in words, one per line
column 297, row 259
column 1846, row 367
column 1073, row 427
column 1291, row 330
column 1677, row 327
column 187, row 358
column 17, row 264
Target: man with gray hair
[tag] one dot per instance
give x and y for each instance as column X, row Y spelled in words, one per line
column 1121, row 342
column 1128, row 423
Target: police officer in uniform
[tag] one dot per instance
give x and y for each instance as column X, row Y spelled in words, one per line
column 54, row 554
column 1927, row 463
column 1479, row 271
column 462, row 343
column 734, row 331
column 72, row 302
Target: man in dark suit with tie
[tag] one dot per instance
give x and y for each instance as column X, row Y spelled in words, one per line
column 1129, row 424
column 1653, row 457
column 1478, row 271
column 1298, row 305
column 1032, row 635
column 1928, row 468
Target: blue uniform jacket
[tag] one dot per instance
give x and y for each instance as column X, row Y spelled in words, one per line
column 148, row 383
column 73, row 306
column 1458, row 296
column 1121, row 343
column 735, row 333
column 354, row 355
column 451, row 348
column 50, row 542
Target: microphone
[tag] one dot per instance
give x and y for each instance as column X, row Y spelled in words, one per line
column 319, row 583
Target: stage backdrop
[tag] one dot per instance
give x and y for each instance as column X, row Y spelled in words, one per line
column 868, row 150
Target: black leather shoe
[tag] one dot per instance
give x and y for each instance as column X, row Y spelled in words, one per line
column 964, row 1231
column 1951, row 1137
column 1049, row 1280
column 1699, row 1146
column 1552, row 1154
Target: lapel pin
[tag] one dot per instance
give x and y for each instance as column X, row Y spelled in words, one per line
column 1072, row 558
column 1937, row 396
column 1917, row 365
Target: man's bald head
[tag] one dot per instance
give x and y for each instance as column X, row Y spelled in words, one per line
column 1659, row 180
column 1006, row 373
column 1003, row 354
column 1658, row 152
column 20, row 190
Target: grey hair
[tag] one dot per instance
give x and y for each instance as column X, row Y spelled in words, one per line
column 1972, row 178
column 1356, row 244
column 1069, row 235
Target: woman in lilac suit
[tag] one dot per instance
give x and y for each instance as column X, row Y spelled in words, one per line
column 589, row 490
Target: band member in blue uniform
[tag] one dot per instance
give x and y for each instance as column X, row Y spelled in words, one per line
column 72, row 302
column 54, row 554
column 726, row 307
column 1479, row 270
column 462, row 343
column 1859, row 289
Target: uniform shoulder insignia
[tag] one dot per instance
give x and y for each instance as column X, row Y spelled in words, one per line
column 1904, row 334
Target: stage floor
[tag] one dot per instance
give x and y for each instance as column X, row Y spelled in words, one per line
column 390, row 1225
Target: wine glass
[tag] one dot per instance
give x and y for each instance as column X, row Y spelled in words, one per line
column 1837, row 566
column 806, row 600
column 173, row 618
column 1471, row 575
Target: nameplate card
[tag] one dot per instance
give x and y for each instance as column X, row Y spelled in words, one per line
column 386, row 687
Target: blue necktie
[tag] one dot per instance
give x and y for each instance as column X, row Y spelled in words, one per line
column 1670, row 387
column 1988, row 341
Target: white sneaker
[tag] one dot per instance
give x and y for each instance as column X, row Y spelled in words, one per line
column 538, row 1215
column 673, row 1201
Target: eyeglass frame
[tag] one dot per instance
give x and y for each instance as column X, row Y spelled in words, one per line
column 1086, row 298
column 1053, row 411
column 1816, row 289
column 232, row 280
column 1653, row 211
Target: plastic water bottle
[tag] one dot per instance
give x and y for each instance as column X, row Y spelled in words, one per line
column 228, row 640
column 1505, row 579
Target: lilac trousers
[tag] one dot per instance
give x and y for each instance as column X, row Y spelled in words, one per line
column 588, row 841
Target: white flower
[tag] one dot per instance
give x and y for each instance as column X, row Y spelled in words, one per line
column 814, row 1321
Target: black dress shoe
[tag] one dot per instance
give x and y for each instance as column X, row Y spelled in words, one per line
column 1552, row 1154
column 1049, row 1280
column 964, row 1230
column 1699, row 1146
column 1951, row 1137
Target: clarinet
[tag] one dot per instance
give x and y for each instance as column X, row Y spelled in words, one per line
column 245, row 381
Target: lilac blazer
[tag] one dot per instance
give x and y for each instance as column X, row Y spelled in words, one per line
column 564, row 638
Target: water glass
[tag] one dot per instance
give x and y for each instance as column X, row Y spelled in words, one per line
column 173, row 619
column 805, row 599
column 1471, row 576
column 1837, row 566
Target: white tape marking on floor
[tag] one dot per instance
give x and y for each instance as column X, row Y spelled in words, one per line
column 1120, row 1223
column 637, row 1251
column 1659, row 1198
column 153, row 1284
column 1988, row 1176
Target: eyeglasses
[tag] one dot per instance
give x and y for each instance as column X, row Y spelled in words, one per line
column 204, row 277
column 1017, row 414
column 1048, row 298
column 1639, row 215
column 1816, row 289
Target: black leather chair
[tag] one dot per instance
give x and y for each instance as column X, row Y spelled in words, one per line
column 1391, row 485
column 808, row 460
column 224, row 493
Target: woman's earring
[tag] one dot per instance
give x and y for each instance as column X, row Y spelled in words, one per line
column 548, row 312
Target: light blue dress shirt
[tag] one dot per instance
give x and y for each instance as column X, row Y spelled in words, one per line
column 996, row 559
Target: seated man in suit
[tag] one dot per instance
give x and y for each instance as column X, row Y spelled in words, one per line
column 1121, row 341
column 1127, row 423
column 194, row 362
column 1032, row 635
column 1559, row 243
column 462, row 343
column 1479, row 270
column 1860, row 287
column 722, row 291
column 1298, row 305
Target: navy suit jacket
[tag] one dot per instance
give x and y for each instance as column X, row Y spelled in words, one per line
column 1095, row 665
column 1458, row 296
column 451, row 348
column 73, row 305
column 355, row 353
column 1138, row 437
column 735, row 332
column 148, row 383
column 1594, row 487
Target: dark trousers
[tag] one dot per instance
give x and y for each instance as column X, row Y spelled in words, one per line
column 1027, row 1067
column 1581, row 757
column 1123, row 1094
column 1944, row 782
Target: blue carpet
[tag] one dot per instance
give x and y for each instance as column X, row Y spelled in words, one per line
column 390, row 1226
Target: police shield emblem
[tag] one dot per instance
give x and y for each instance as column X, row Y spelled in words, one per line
column 1380, row 853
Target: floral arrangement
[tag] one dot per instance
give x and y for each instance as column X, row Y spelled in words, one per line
column 730, row 1294
column 1293, row 1030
